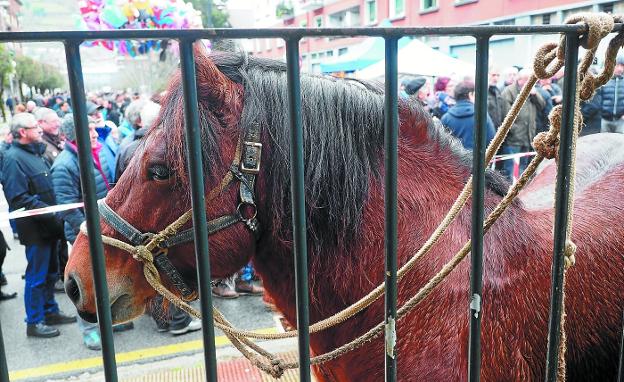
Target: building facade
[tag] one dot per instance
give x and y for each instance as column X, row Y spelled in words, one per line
column 504, row 50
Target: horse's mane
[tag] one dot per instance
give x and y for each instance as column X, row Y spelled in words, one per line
column 343, row 130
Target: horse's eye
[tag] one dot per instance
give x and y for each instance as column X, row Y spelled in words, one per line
column 159, row 172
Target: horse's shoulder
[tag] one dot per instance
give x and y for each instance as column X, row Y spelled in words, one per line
column 597, row 156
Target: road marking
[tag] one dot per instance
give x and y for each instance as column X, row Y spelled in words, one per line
column 122, row 358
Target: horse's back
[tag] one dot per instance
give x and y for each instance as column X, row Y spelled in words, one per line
column 598, row 157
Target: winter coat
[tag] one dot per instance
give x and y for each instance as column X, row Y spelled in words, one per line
column 543, row 124
column 460, row 121
column 612, row 94
column 27, row 184
column 3, row 149
column 54, row 145
column 109, row 148
column 495, row 106
column 66, row 181
column 523, row 130
column 591, row 111
column 127, row 148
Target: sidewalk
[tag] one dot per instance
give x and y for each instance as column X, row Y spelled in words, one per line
column 231, row 367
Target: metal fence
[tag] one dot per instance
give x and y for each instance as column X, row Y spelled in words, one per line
column 292, row 37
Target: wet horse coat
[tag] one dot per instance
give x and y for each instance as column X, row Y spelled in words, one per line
column 343, row 134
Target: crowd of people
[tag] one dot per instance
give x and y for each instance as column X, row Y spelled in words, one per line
column 451, row 100
column 39, row 164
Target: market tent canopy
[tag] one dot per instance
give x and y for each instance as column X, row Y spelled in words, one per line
column 416, row 58
column 368, row 52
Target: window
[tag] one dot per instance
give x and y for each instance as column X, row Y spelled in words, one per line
column 371, row 11
column 397, row 8
column 342, row 51
column 506, row 22
column 329, row 53
column 546, row 19
column 428, row 5
column 344, row 19
column 606, row 8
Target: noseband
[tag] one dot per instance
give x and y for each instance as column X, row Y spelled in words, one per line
column 152, row 248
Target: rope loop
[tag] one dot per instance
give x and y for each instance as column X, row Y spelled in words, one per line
column 544, row 65
column 143, row 254
column 569, row 252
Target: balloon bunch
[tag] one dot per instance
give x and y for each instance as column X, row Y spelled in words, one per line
column 136, row 14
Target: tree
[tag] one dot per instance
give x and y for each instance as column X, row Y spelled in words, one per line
column 220, row 17
column 37, row 75
column 6, row 68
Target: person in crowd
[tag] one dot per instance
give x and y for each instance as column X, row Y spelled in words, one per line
column 50, row 123
column 64, row 109
column 66, row 181
column 495, row 100
column 141, row 114
column 109, row 146
column 442, row 99
column 10, row 103
column 31, row 106
column 27, row 185
column 523, row 130
column 612, row 95
column 20, row 108
column 591, row 110
column 542, row 123
column 7, row 142
column 509, row 76
column 133, row 120
column 416, row 89
column 4, row 146
column 460, row 117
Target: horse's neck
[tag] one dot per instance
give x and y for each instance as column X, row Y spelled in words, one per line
column 428, row 183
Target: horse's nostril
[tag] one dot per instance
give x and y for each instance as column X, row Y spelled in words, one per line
column 72, row 289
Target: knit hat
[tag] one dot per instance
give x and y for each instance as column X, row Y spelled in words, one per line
column 619, row 60
column 413, row 86
column 68, row 128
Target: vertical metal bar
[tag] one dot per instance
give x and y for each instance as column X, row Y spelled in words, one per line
column 298, row 206
column 391, row 139
column 561, row 204
column 478, row 195
column 621, row 366
column 4, row 369
column 87, row 182
column 200, row 224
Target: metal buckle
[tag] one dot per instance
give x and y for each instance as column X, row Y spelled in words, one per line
column 253, row 152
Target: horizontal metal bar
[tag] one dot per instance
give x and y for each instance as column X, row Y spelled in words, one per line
column 292, row 33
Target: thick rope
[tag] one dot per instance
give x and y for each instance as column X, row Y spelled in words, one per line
column 545, row 66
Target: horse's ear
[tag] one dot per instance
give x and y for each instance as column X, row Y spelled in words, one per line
column 212, row 84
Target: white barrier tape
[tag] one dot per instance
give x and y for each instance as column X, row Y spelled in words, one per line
column 498, row 158
column 22, row 213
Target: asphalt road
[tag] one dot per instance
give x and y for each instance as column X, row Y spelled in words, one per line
column 35, row 359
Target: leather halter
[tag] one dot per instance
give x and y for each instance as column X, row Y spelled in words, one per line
column 244, row 168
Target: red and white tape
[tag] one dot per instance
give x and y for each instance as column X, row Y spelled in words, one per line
column 22, row 213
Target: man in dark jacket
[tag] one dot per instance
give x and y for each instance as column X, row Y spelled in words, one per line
column 495, row 101
column 27, row 185
column 523, row 130
column 460, row 117
column 50, row 123
column 612, row 95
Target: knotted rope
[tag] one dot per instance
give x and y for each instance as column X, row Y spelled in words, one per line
column 548, row 60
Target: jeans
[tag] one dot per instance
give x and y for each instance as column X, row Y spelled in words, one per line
column 508, row 165
column 175, row 318
column 41, row 274
column 616, row 126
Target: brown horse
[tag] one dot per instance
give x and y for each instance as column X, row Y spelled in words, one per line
column 343, row 134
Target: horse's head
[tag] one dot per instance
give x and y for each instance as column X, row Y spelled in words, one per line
column 154, row 191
